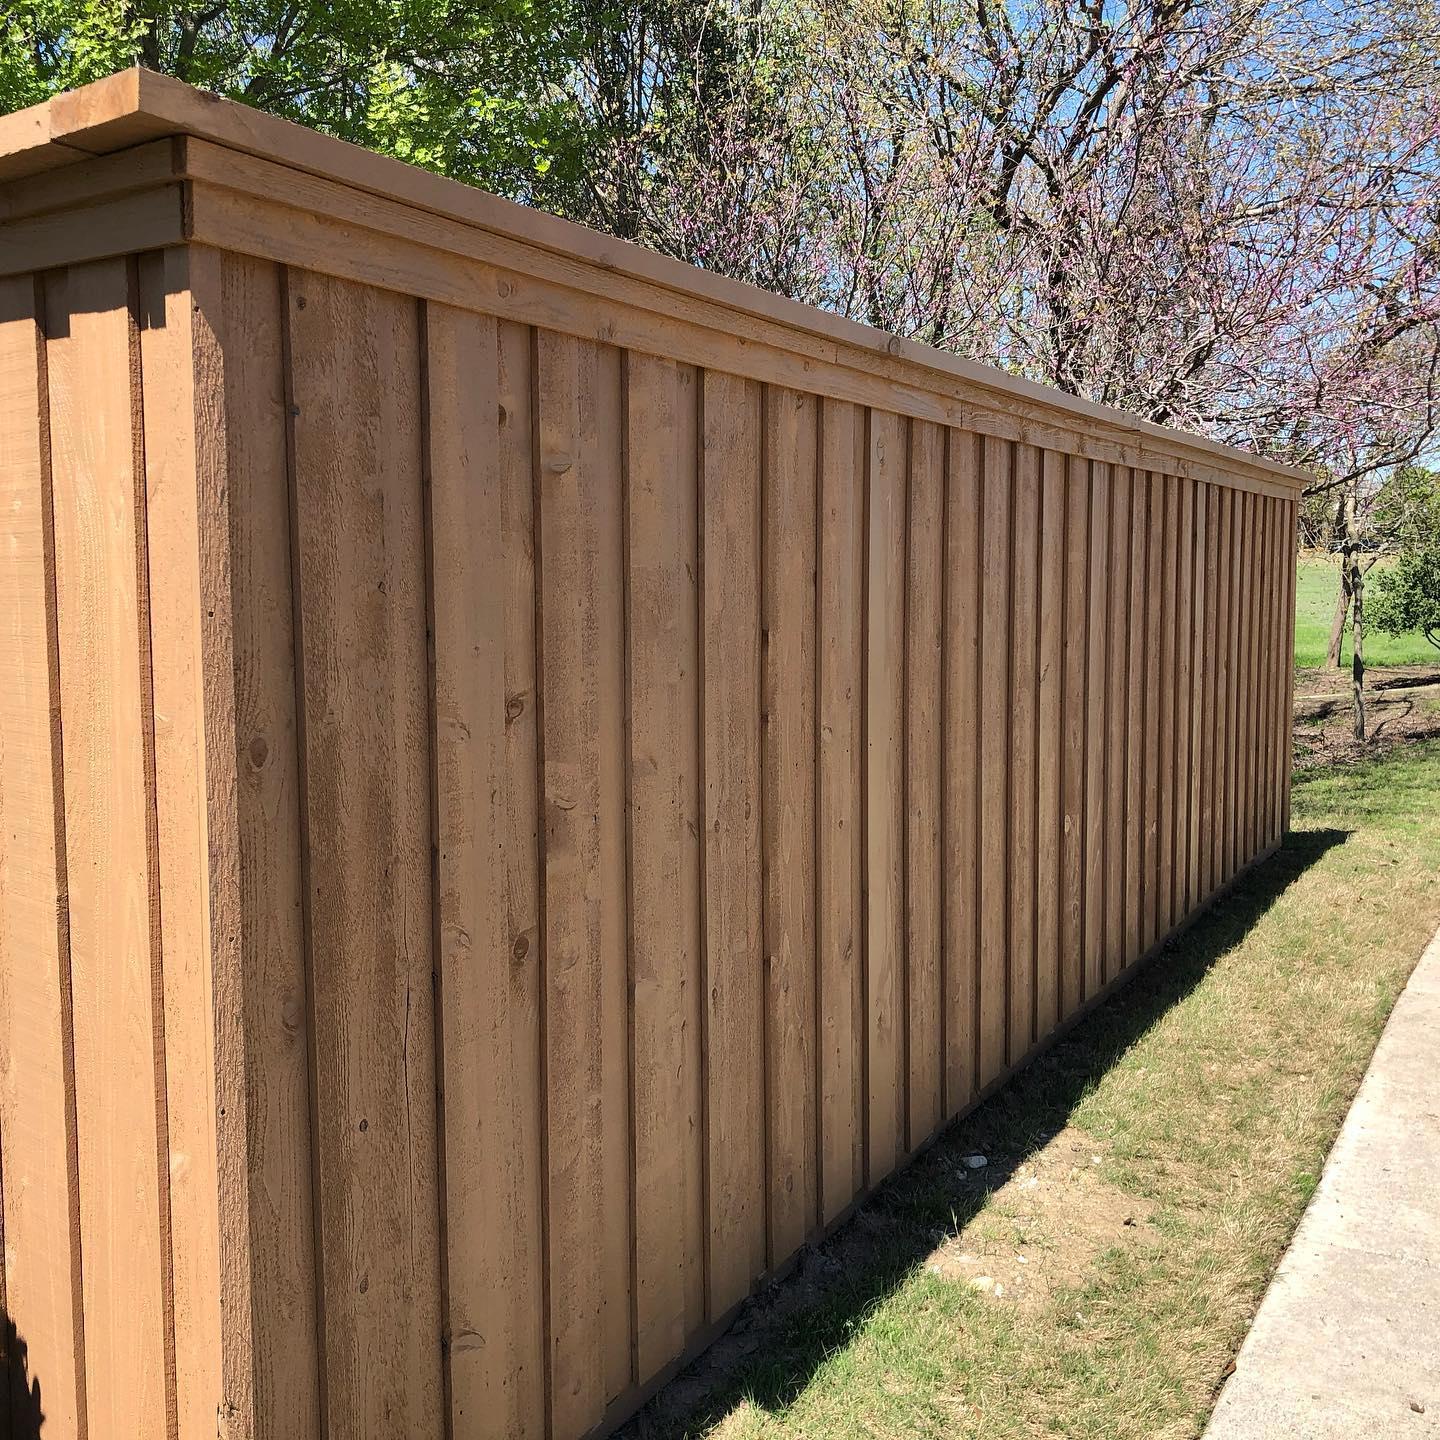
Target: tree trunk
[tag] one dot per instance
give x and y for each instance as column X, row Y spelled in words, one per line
column 1343, row 532
column 1357, row 663
column 1337, row 625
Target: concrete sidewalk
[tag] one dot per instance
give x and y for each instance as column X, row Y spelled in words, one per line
column 1347, row 1339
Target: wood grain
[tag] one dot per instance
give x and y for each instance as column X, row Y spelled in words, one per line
column 359, row 543
column 788, row 810
column 924, row 900
column 838, row 810
column 960, row 761
column 993, row 839
column 478, row 410
column 662, row 519
column 885, row 793
column 116, row 968
column 734, row 954
column 41, row 1195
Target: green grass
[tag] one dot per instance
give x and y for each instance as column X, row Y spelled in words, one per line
column 1315, row 592
column 1179, row 1132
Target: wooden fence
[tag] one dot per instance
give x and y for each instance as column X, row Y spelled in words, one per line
column 532, row 776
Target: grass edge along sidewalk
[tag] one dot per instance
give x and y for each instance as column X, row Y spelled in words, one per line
column 1096, row 1277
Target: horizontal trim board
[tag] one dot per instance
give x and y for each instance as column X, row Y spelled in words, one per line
column 139, row 105
column 303, row 237
column 147, row 220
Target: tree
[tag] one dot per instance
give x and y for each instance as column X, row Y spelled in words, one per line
column 1406, row 596
column 475, row 90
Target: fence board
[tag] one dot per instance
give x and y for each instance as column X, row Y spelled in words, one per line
column 788, row 810
column 885, row 791
column 664, row 851
column 580, row 520
column 1137, row 734
column 839, row 921
column 924, row 892
column 37, row 1083
column 488, row 951
column 960, row 765
column 1100, row 644
column 734, row 1039
column 1024, row 635
column 1050, row 748
column 359, row 543
column 1077, row 636
column 1115, row 767
column 993, row 838
column 107, row 757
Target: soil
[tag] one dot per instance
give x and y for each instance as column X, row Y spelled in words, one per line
column 1402, row 703
column 1047, row 1220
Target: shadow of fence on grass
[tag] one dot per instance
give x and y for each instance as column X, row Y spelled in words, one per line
column 776, row 1345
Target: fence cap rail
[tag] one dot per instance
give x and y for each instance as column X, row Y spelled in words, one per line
column 137, row 106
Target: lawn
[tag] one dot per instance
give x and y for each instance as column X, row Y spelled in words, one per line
column 1097, row 1276
column 1315, row 593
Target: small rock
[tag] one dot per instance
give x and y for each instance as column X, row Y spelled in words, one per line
column 999, row 1290
column 1022, row 1259
column 1417, row 1407
column 1130, row 1220
column 983, row 1282
column 974, row 1162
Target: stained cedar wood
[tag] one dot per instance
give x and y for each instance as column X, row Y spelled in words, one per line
column 788, row 812
column 1050, row 748
column 1097, row 858
column 1208, row 716
column 239, row 302
column 1230, row 684
column 838, row 858
column 923, row 889
column 1024, row 679
column 1239, row 692
column 1169, row 520
column 1292, row 519
column 510, row 280
column 1113, row 769
column 487, row 976
column 99, row 539
column 1077, row 639
column 1152, row 680
column 1024, row 682
column 730, row 636
column 1245, row 697
column 1184, row 702
column 359, row 545
column 1281, row 665
column 885, row 791
column 41, row 1281
column 1246, row 735
column 1226, row 720
column 1259, row 679
column 580, row 540
column 664, row 852
column 960, row 764
column 1199, row 682
column 177, row 673
column 993, row 682
column 1264, row 825
column 1136, row 732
